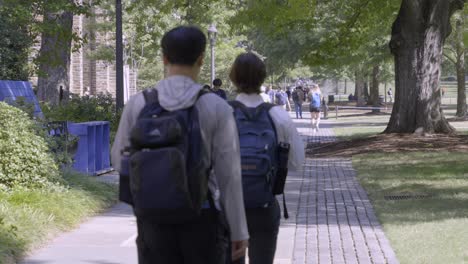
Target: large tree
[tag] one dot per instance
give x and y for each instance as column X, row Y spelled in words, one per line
column 418, row 37
column 22, row 23
column 56, row 47
column 55, row 56
column 455, row 52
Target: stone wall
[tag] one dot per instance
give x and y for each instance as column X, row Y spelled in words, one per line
column 93, row 77
column 89, row 76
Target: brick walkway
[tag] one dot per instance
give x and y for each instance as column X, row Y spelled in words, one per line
column 332, row 220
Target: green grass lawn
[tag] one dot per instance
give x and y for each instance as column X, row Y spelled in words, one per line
column 431, row 230
column 351, row 125
column 29, row 218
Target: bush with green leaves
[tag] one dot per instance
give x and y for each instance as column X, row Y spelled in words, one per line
column 84, row 109
column 25, row 158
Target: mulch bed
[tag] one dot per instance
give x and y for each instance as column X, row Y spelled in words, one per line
column 389, row 143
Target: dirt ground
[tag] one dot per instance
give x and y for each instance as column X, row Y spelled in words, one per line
column 389, row 143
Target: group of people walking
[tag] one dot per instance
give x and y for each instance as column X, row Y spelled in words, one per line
column 281, row 98
column 202, row 174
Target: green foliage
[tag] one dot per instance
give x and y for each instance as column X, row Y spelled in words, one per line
column 329, row 36
column 146, row 21
column 84, row 109
column 14, row 47
column 20, row 27
column 29, row 218
column 62, row 146
column 26, row 160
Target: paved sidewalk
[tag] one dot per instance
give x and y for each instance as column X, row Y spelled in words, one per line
column 331, row 221
column 332, row 218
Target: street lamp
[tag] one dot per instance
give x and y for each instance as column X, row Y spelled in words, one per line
column 119, row 57
column 212, row 34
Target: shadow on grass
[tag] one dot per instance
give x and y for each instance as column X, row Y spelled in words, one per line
column 363, row 124
column 441, row 175
column 390, row 143
column 445, row 203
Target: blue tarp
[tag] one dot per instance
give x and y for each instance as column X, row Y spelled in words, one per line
column 11, row 90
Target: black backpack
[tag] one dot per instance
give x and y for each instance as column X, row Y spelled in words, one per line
column 168, row 182
column 295, row 96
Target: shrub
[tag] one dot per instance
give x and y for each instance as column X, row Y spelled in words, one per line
column 84, row 109
column 25, row 159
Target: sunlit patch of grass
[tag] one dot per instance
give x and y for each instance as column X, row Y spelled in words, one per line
column 430, row 230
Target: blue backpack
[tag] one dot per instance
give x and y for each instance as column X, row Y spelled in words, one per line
column 167, row 179
column 259, row 153
column 280, row 98
column 315, row 100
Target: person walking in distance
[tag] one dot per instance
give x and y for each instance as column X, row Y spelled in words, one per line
column 263, row 94
column 298, row 99
column 217, row 88
column 170, row 138
column 270, row 145
column 271, row 93
column 390, row 95
column 315, row 97
column 281, row 99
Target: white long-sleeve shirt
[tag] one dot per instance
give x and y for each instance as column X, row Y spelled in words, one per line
column 285, row 129
column 220, row 141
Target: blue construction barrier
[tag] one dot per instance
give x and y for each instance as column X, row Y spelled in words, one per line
column 10, row 91
column 93, row 154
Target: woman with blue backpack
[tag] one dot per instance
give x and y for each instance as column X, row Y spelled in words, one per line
column 270, row 145
column 315, row 98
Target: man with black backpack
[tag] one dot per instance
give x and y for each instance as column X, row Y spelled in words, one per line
column 298, row 98
column 178, row 156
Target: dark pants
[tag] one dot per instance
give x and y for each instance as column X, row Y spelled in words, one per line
column 263, row 224
column 298, row 108
column 203, row 241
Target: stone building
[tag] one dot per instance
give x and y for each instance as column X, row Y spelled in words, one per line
column 91, row 76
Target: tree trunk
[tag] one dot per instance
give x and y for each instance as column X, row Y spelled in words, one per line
column 366, row 90
column 54, row 57
column 374, row 90
column 360, row 87
column 460, row 47
column 418, row 37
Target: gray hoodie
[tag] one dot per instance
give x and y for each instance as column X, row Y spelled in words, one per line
column 220, row 139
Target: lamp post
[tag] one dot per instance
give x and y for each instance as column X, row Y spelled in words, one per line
column 119, row 57
column 212, row 34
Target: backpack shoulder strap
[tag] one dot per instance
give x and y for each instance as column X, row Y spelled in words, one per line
column 267, row 107
column 203, row 91
column 242, row 107
column 152, row 106
column 236, row 104
column 151, row 96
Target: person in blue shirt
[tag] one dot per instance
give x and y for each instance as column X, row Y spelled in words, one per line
column 315, row 98
column 217, row 88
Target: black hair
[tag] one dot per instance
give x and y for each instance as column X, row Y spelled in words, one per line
column 206, row 86
column 217, row 82
column 183, row 45
column 248, row 73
